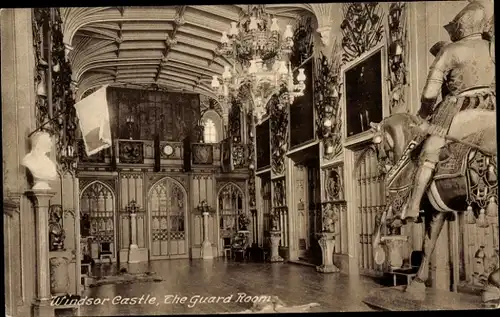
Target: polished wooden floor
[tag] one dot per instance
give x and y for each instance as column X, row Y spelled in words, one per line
column 293, row 284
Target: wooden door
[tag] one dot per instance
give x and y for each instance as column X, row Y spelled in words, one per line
column 167, row 209
column 370, row 200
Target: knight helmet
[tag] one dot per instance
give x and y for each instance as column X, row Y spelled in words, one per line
column 471, row 20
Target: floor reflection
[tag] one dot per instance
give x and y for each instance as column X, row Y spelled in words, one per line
column 293, row 284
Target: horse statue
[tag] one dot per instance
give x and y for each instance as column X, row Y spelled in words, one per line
column 465, row 179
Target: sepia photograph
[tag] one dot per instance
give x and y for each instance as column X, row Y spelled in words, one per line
column 249, row 158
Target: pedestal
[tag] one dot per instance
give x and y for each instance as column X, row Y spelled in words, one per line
column 395, row 246
column 133, row 250
column 275, row 244
column 40, row 200
column 59, row 272
column 327, row 244
column 206, row 247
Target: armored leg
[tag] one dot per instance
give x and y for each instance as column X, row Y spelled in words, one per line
column 430, row 157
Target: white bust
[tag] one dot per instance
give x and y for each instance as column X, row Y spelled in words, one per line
column 37, row 161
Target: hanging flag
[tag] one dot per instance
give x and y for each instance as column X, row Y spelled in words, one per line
column 93, row 114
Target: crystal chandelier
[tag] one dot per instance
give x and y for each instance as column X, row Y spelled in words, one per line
column 255, row 43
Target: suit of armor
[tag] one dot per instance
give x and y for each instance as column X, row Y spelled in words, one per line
column 466, row 71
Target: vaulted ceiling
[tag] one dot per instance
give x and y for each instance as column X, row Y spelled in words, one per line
column 169, row 46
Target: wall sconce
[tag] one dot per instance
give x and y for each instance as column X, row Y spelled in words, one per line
column 41, row 89
column 56, row 68
column 204, row 207
column 395, row 49
column 130, row 125
column 335, row 93
column 328, row 149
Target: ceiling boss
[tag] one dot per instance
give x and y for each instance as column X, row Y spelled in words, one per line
column 257, row 45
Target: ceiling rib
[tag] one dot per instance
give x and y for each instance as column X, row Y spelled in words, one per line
column 171, row 39
column 171, row 46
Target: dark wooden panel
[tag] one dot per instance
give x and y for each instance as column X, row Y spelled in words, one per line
column 202, row 153
column 302, row 112
column 263, row 147
column 170, row 114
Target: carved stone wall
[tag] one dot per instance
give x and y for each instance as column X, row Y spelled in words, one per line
column 327, row 89
column 397, row 43
column 362, row 28
column 252, row 159
column 171, row 115
column 18, row 120
column 334, row 206
column 279, row 214
column 278, row 106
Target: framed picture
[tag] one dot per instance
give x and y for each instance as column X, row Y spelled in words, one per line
column 364, row 92
column 263, row 141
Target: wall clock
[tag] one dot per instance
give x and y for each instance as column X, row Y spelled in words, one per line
column 168, row 150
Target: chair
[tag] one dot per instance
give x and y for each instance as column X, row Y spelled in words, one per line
column 240, row 246
column 105, row 252
column 227, row 247
column 411, row 271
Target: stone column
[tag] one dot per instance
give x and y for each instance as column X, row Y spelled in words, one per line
column 275, row 244
column 40, row 200
column 206, row 249
column 327, row 244
column 133, row 248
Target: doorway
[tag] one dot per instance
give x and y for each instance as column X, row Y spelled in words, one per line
column 265, row 192
column 230, row 207
column 97, row 219
column 306, row 204
column 167, row 204
column 313, row 208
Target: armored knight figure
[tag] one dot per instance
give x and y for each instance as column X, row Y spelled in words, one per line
column 466, row 69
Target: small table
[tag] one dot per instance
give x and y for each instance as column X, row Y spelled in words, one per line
column 409, row 276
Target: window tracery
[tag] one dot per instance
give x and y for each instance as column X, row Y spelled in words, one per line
column 209, row 131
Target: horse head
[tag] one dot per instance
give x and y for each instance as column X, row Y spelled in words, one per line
column 383, row 144
column 391, row 136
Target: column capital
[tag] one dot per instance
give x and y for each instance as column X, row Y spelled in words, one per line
column 40, row 197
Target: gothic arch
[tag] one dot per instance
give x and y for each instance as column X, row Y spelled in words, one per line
column 101, row 183
column 184, row 191
column 98, row 216
column 229, row 207
column 363, row 154
column 230, row 184
column 167, row 218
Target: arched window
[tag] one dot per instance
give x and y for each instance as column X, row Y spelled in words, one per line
column 209, row 131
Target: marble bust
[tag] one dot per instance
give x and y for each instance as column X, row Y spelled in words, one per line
column 38, row 163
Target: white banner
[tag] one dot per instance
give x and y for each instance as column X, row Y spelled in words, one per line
column 93, row 115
